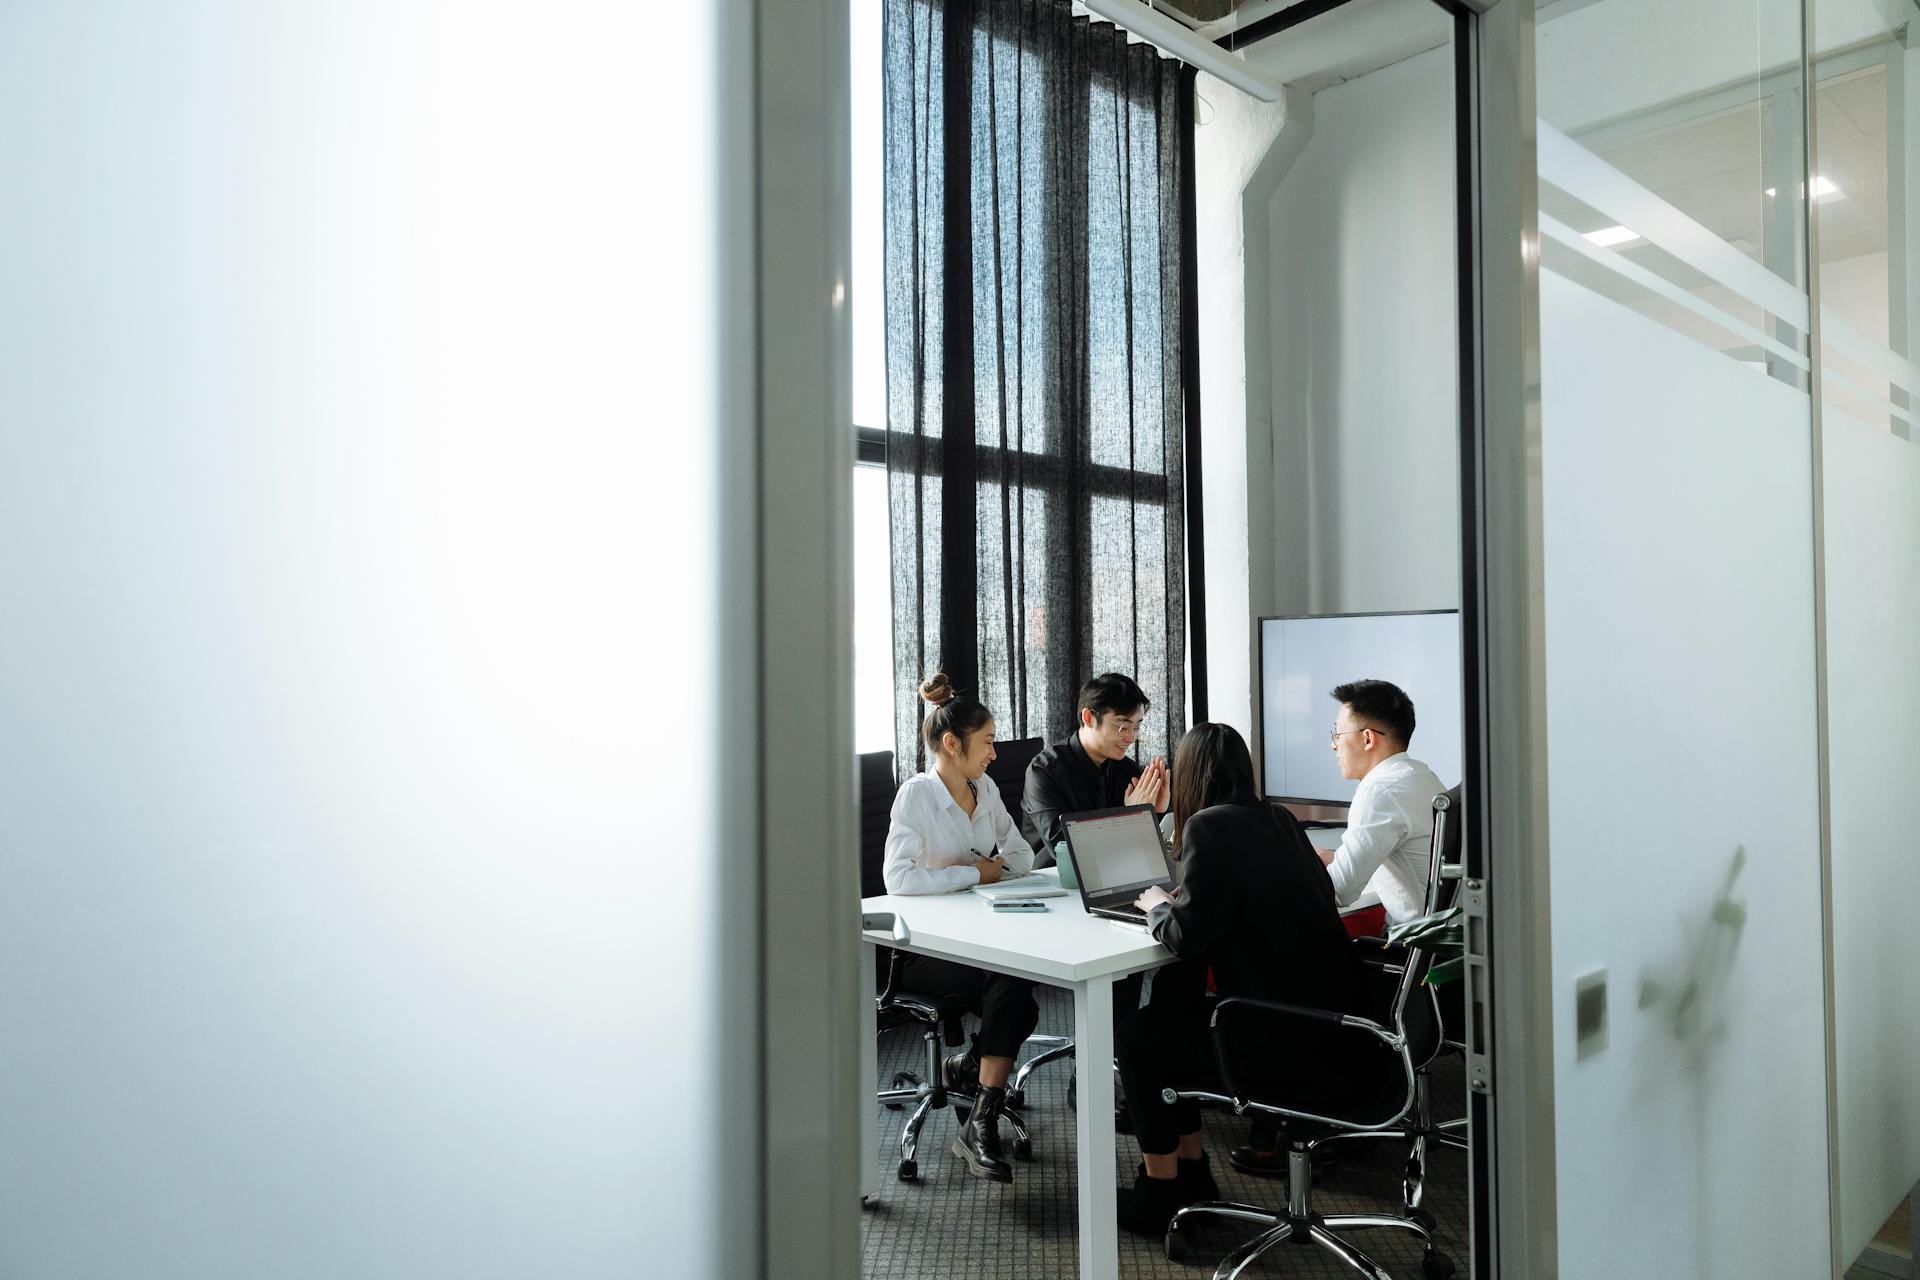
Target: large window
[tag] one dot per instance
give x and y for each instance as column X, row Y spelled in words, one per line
column 1018, row 367
column 872, row 596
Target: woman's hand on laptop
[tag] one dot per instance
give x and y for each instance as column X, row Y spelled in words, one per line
column 1153, row 896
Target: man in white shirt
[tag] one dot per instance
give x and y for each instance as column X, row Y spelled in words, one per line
column 1388, row 842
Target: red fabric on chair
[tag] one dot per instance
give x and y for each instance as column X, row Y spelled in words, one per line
column 1368, row 922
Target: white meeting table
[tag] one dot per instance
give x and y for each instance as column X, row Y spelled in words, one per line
column 1062, row 947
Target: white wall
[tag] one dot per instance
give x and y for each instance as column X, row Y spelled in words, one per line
column 1328, row 353
column 1233, row 143
column 1365, row 350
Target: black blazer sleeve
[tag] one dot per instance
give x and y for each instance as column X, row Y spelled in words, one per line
column 1203, row 906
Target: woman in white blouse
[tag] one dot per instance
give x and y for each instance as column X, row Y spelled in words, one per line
column 949, row 832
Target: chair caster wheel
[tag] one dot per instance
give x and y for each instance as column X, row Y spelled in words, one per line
column 909, row 1171
column 1022, row 1149
column 1426, row 1221
column 891, row 1106
column 1175, row 1246
column 1437, row 1266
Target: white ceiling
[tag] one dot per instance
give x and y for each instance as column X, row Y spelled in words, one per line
column 1709, row 168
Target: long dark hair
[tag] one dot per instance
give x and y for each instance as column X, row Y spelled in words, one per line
column 1211, row 767
column 956, row 713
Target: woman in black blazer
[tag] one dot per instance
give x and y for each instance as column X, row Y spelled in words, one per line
column 1256, row 907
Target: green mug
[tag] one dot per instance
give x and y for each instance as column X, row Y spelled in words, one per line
column 1063, row 858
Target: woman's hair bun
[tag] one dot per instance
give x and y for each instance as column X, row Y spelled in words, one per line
column 937, row 689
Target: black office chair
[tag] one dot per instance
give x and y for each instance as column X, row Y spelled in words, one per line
column 939, row 1019
column 1402, row 1043
column 1009, row 770
column 877, row 789
column 1419, row 1128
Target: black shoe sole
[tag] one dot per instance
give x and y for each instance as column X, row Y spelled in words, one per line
column 977, row 1169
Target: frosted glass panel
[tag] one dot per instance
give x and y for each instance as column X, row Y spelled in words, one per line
column 355, row 425
column 1866, row 127
column 1682, row 801
column 1873, row 682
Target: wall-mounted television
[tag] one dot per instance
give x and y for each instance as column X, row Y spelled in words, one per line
column 1302, row 659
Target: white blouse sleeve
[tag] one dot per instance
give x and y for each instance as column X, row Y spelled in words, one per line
column 906, row 842
column 1013, row 847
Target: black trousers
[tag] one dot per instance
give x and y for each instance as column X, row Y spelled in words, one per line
column 1164, row 1045
column 1007, row 1009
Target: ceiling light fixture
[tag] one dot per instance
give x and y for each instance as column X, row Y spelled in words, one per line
column 1607, row 237
column 1823, row 189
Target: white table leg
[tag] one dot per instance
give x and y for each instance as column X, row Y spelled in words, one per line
column 869, row 1074
column 1093, row 1061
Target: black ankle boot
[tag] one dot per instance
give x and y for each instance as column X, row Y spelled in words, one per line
column 978, row 1142
column 1146, row 1207
column 961, row 1071
column 1196, row 1180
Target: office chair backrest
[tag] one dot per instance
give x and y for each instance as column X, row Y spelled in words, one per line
column 877, row 789
column 1414, row 1013
column 1447, row 823
column 1009, row 769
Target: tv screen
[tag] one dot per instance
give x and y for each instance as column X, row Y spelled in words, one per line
column 1302, row 659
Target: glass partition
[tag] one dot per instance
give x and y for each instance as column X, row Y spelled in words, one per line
column 1682, row 718
column 1866, row 112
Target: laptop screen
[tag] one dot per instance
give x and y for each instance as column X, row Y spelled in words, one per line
column 1118, row 851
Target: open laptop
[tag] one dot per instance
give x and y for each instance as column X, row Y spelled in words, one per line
column 1117, row 854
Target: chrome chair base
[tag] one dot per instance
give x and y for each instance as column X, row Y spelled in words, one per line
column 929, row 1094
column 1300, row 1225
column 1061, row 1048
column 1417, row 1132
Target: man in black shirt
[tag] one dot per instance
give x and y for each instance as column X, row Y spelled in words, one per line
column 1090, row 767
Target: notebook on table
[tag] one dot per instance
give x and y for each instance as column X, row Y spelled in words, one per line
column 1027, row 886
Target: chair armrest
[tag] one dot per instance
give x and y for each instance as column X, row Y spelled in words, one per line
column 885, row 999
column 1378, row 953
column 1328, row 1017
column 1241, row 1100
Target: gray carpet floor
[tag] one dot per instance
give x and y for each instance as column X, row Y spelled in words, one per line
column 949, row 1225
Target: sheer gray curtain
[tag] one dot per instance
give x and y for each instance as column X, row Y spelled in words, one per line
column 1034, row 394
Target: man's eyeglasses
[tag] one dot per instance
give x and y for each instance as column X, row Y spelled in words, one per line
column 1338, row 734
